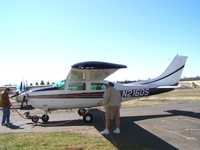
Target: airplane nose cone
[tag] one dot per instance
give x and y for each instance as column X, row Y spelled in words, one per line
column 20, row 97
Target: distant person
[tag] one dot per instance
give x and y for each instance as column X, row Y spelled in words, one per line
column 6, row 104
column 112, row 104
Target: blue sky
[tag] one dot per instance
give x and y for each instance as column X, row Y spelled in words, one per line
column 40, row 40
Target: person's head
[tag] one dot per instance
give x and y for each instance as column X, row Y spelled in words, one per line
column 110, row 84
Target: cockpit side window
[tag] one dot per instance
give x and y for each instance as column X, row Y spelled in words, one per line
column 76, row 86
column 97, row 86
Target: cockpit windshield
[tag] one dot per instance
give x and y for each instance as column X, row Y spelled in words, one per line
column 60, row 84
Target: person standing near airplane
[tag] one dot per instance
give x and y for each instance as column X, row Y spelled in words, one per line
column 112, row 104
column 6, row 104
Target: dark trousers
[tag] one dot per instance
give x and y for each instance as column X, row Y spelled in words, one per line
column 6, row 115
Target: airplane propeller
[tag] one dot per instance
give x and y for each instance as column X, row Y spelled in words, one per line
column 21, row 95
column 22, row 88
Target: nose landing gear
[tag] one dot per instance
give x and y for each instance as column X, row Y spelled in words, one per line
column 24, row 104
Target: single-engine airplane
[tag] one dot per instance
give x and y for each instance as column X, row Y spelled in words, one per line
column 85, row 85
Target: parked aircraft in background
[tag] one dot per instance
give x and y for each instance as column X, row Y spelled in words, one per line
column 85, row 85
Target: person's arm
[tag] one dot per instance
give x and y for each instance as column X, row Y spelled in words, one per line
column 9, row 103
column 107, row 95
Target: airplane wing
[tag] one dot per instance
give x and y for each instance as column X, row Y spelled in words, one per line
column 92, row 71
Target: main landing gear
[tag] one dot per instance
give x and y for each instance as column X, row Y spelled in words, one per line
column 87, row 117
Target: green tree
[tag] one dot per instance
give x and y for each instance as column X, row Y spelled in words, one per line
column 42, row 82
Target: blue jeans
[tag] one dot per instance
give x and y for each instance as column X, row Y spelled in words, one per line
column 6, row 115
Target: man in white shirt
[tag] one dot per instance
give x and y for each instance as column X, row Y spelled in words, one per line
column 112, row 104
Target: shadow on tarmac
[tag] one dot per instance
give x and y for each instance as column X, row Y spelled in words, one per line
column 184, row 113
column 12, row 126
column 132, row 136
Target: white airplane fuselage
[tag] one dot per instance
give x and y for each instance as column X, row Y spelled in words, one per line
column 62, row 99
column 52, row 98
column 80, row 92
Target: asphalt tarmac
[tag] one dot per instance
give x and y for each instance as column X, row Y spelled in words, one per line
column 170, row 126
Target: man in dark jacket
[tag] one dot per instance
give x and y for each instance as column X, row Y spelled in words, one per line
column 6, row 107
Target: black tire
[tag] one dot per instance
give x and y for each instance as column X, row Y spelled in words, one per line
column 82, row 111
column 88, row 118
column 35, row 119
column 45, row 118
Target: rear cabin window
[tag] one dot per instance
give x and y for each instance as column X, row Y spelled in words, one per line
column 97, row 86
column 76, row 86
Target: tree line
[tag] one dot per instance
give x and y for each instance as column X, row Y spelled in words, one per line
column 190, row 78
column 41, row 83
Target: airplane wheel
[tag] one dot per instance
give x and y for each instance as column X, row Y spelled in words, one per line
column 88, row 118
column 81, row 111
column 35, row 119
column 45, row 118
